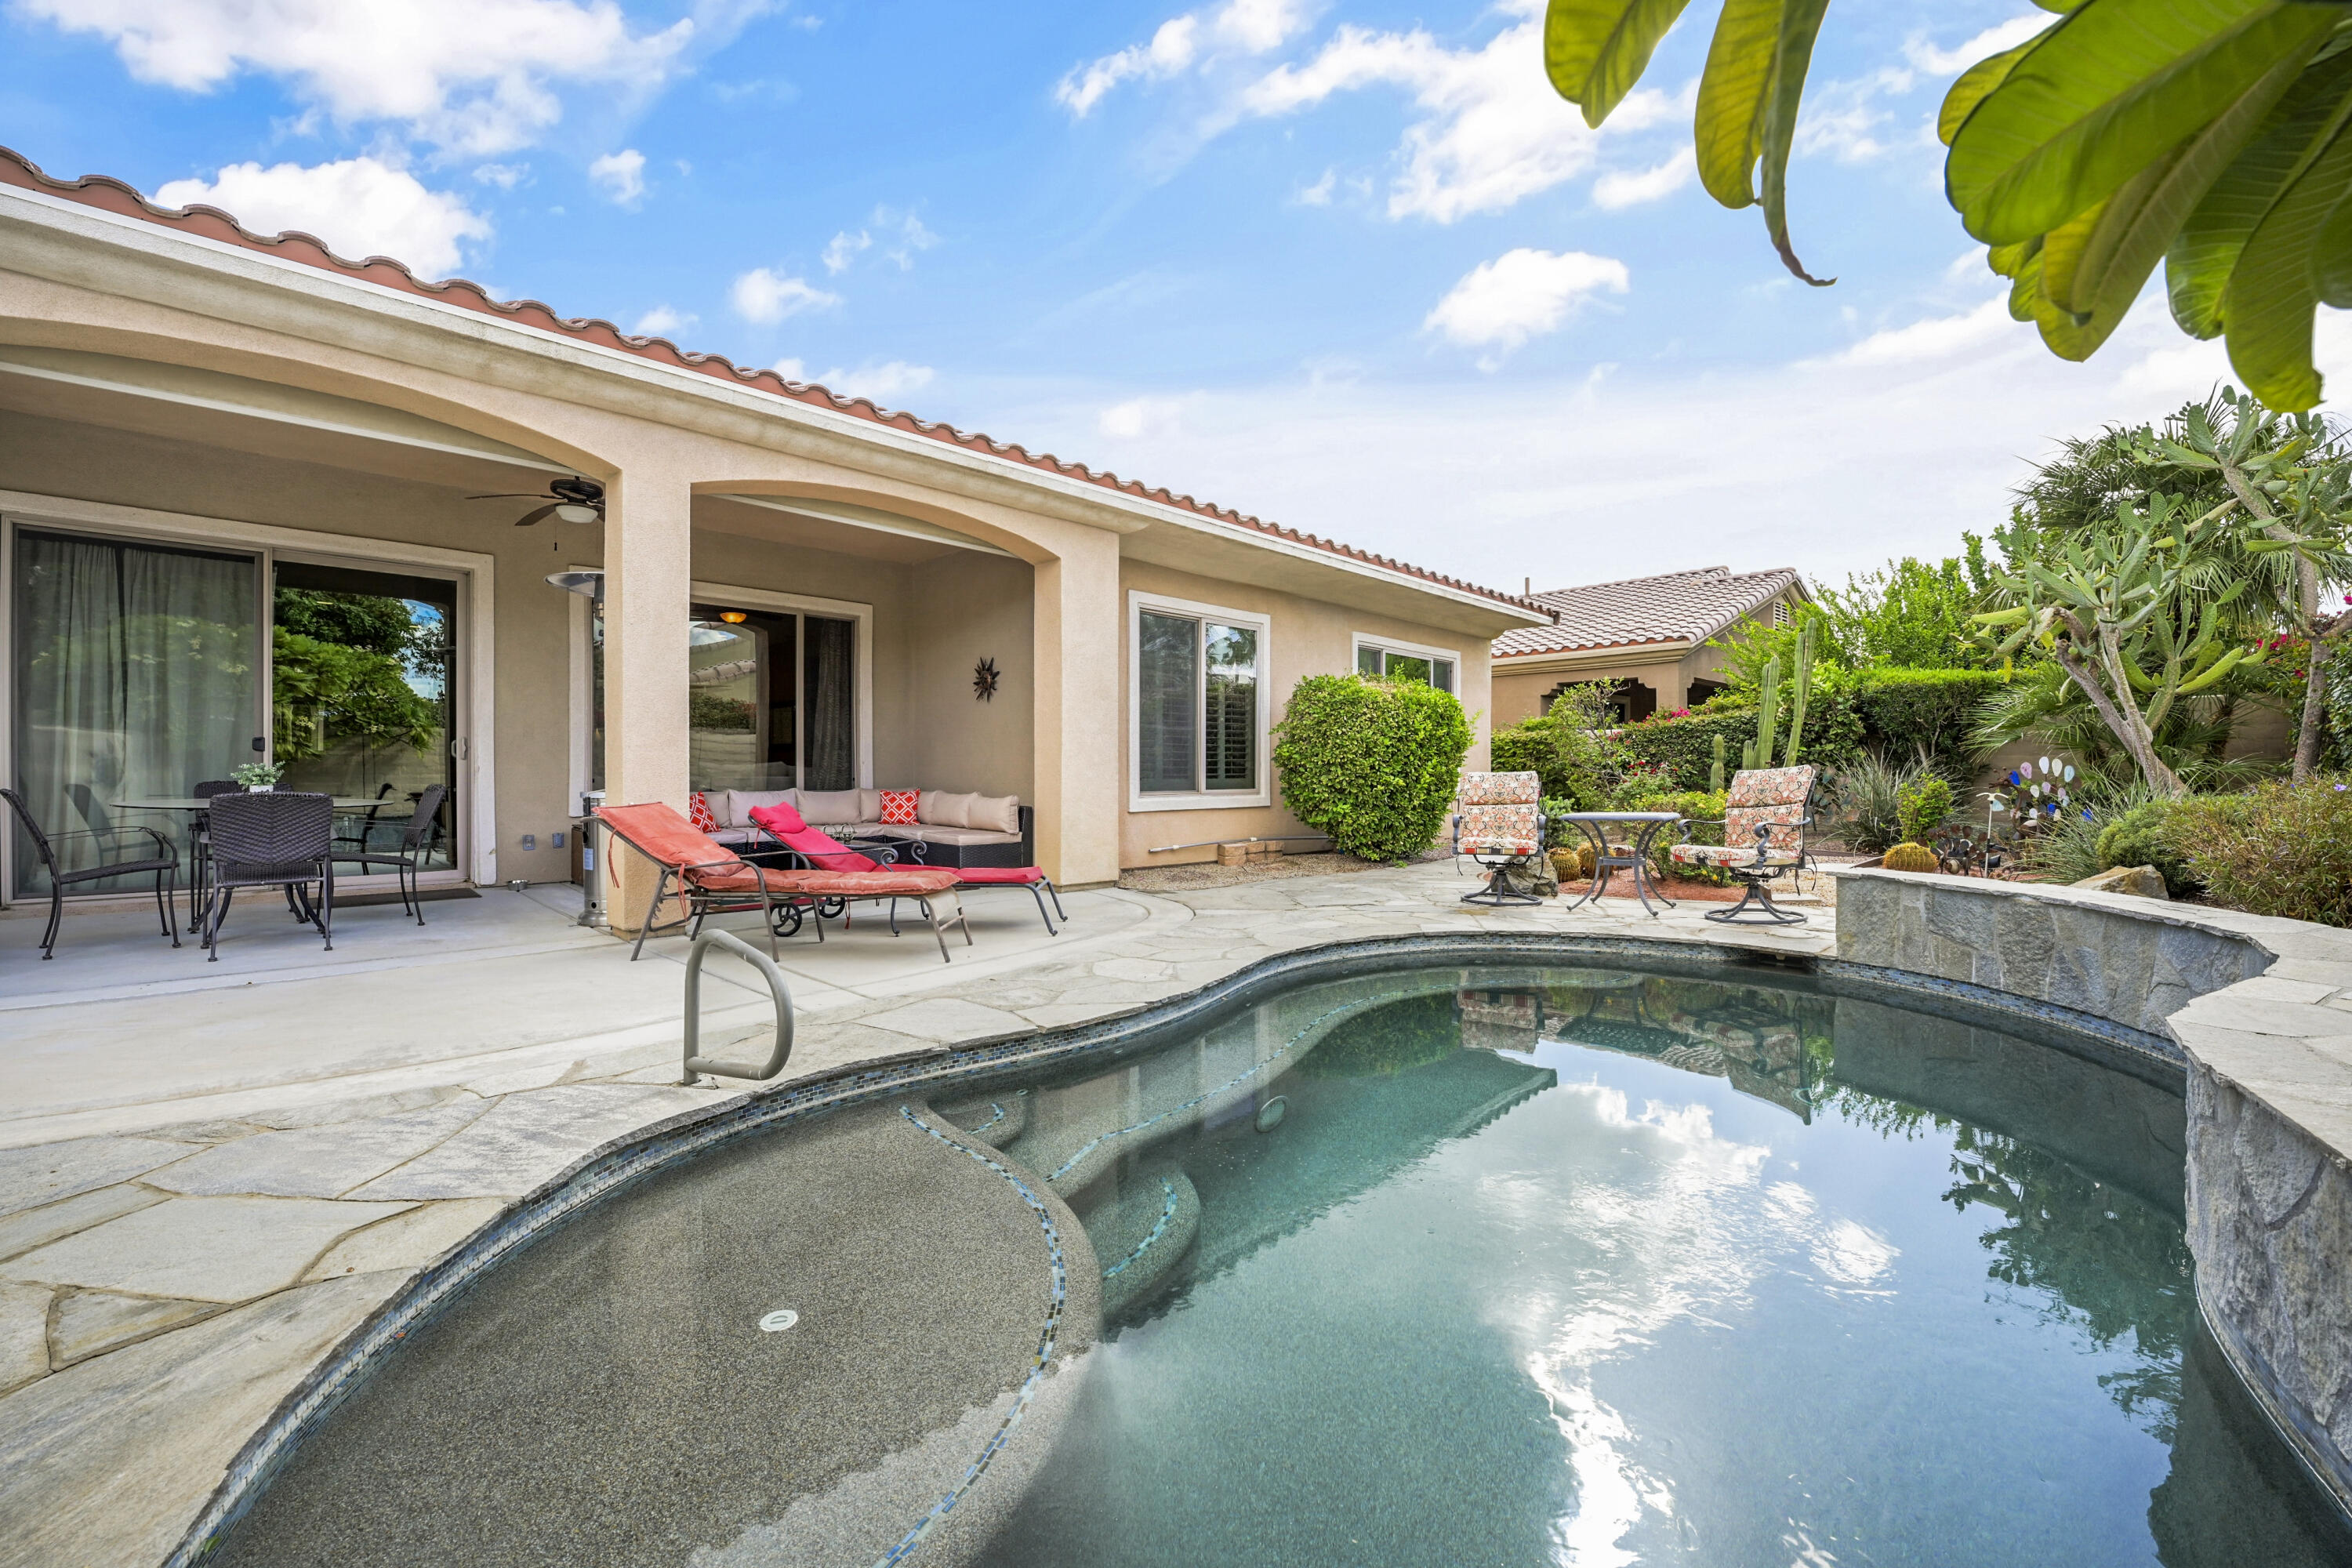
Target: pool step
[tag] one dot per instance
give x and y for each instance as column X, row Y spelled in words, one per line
column 1141, row 1228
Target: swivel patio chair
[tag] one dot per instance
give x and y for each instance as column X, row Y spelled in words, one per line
column 1501, row 828
column 416, row 840
column 274, row 839
column 1765, row 816
column 164, row 864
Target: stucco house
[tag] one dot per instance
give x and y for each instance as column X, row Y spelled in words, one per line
column 1647, row 634
column 207, row 434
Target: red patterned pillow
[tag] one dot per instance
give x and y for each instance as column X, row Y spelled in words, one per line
column 898, row 808
column 698, row 811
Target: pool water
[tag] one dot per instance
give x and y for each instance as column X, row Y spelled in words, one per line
column 1584, row 1267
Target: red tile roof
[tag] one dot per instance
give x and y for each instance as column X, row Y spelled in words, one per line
column 113, row 196
column 1680, row 607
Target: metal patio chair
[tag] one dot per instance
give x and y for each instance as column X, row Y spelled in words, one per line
column 165, row 863
column 417, row 836
column 272, row 839
column 1501, row 828
column 1766, row 813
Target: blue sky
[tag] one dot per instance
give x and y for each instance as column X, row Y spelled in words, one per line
column 1350, row 267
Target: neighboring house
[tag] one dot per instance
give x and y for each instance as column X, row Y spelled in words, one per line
column 200, row 426
column 1646, row 635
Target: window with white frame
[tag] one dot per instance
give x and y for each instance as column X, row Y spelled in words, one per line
column 1200, row 703
column 1403, row 661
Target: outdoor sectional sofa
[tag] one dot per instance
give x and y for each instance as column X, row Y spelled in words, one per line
column 950, row 830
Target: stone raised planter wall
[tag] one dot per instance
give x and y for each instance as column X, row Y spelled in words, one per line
column 2262, row 1010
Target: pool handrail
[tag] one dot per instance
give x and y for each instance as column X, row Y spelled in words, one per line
column 777, row 988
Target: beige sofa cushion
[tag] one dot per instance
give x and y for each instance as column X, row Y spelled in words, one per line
column 833, row 808
column 733, row 807
column 870, row 805
column 938, row 808
column 996, row 813
column 957, row 835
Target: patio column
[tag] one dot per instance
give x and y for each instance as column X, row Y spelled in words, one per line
column 648, row 594
column 1079, row 623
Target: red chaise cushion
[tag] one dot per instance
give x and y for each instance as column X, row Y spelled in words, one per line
column 985, row 874
column 825, row 853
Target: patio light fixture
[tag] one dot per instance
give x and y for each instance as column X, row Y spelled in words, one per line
column 572, row 512
column 734, row 617
column 587, row 584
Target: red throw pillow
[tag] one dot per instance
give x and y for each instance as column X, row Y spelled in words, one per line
column 898, row 806
column 698, row 810
column 779, row 819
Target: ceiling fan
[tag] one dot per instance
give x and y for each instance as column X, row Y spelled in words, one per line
column 569, row 499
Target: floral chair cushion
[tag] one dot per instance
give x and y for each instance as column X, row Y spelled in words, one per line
column 1498, row 829
column 1500, row 789
column 1760, row 796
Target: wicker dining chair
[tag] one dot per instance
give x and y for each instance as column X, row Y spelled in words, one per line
column 417, row 837
column 165, row 863
column 200, row 846
column 272, row 839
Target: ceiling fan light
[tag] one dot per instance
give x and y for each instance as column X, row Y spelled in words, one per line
column 733, row 617
column 573, row 511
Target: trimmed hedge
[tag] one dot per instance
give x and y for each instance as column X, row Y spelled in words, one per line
column 1902, row 710
column 1531, row 747
column 1683, row 748
column 1372, row 764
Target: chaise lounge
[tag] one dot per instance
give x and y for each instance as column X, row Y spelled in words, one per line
column 931, row 828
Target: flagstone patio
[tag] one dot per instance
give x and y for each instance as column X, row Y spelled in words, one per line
column 210, row 1174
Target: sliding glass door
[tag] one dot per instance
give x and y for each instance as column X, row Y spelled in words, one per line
column 137, row 674
column 364, row 700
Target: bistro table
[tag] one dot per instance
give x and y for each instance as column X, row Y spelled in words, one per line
column 193, row 804
column 1593, row 824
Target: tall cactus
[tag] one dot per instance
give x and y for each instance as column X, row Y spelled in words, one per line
column 1768, row 711
column 1801, row 686
column 1715, row 770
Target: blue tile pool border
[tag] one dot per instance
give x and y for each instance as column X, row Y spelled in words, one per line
column 603, row 1171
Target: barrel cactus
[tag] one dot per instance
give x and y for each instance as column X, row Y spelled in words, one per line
column 1911, row 857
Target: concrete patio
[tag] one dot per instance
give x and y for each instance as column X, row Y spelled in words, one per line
column 209, row 1174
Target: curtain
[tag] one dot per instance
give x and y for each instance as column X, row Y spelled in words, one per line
column 829, row 650
column 1168, row 698
column 136, row 675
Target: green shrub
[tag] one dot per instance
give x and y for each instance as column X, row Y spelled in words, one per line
column 2144, row 835
column 1906, row 712
column 1372, row 764
column 1922, row 806
column 2065, row 848
column 2279, row 850
column 1530, row 748
column 1683, row 748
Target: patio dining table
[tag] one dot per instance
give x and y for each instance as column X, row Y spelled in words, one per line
column 194, row 803
column 1594, row 824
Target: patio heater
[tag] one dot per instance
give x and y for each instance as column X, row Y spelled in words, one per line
column 589, row 585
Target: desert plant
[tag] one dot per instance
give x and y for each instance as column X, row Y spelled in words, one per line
column 1911, row 857
column 2065, row 848
column 1715, row 769
column 1868, row 813
column 2145, row 835
column 2279, row 850
column 1801, row 686
column 1372, row 764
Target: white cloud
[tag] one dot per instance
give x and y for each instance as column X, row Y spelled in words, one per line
column 661, row 321
column 1622, row 188
column 474, row 77
column 1935, row 337
column 902, row 234
column 1319, row 195
column 1521, row 294
column 2008, row 35
column 358, row 206
column 844, row 248
column 767, row 296
column 506, row 176
column 880, row 383
column 1141, row 417
column 1493, row 129
column 1170, row 50
column 1242, row 26
column 620, row 176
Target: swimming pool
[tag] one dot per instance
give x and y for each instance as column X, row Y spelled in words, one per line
column 1584, row 1265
